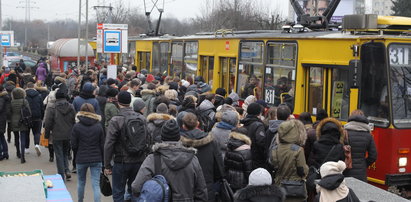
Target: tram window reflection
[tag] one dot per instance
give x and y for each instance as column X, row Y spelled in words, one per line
column 177, row 59
column 250, row 69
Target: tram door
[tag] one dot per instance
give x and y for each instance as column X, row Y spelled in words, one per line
column 228, row 73
column 207, row 68
column 144, row 60
column 327, row 88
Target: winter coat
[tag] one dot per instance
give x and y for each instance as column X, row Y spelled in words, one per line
column 208, row 154
column 329, row 134
column 59, row 120
column 219, row 100
column 26, row 78
column 18, row 96
column 266, row 193
column 238, row 160
column 36, row 104
column 288, row 158
column 148, row 98
column 271, row 133
column 207, row 107
column 181, row 168
column 4, row 110
column 43, row 92
column 311, row 138
column 256, row 132
column 361, row 142
column 41, row 73
column 333, row 188
column 154, row 123
column 221, row 132
column 85, row 98
column 87, row 138
column 114, row 147
column 71, row 85
column 102, row 103
column 110, row 111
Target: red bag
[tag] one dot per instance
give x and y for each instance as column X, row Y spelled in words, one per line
column 347, row 152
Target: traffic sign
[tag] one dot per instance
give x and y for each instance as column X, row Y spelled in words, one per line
column 7, row 38
column 112, row 38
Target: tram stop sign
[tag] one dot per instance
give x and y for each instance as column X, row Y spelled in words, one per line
column 7, row 38
column 112, row 38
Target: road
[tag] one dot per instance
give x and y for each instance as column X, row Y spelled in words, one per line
column 42, row 162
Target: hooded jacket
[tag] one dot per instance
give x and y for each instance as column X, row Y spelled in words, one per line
column 36, row 104
column 87, row 138
column 265, row 193
column 238, row 160
column 110, row 110
column 18, row 96
column 208, row 108
column 86, row 98
column 60, row 119
column 154, row 123
column 181, row 168
column 208, row 154
column 41, row 72
column 148, row 98
column 329, row 134
column 256, row 132
column 288, row 158
column 4, row 110
column 361, row 142
column 44, row 92
column 271, row 133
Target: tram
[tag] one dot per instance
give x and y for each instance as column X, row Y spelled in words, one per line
column 366, row 65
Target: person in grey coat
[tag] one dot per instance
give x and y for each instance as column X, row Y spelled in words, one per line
column 222, row 129
column 179, row 165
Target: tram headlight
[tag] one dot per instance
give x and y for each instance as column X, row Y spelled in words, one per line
column 402, row 161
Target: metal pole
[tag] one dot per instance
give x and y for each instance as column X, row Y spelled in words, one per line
column 79, row 34
column 26, row 24
column 86, row 38
column 48, row 31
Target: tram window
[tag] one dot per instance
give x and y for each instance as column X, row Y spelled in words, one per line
column 207, row 68
column 190, row 59
column 156, row 58
column 144, row 60
column 177, row 58
column 400, row 67
column 282, row 54
column 250, row 69
column 316, row 90
column 373, row 88
column 340, row 94
column 164, row 58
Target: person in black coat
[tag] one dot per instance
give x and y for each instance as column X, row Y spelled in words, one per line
column 208, row 151
column 4, row 112
column 361, row 142
column 37, row 113
column 256, row 132
column 330, row 140
column 87, row 140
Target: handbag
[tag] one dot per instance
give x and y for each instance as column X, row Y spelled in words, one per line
column 43, row 141
column 105, row 186
column 226, row 193
column 347, row 152
column 294, row 188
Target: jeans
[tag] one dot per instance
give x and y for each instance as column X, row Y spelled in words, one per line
column 123, row 173
column 36, row 129
column 4, row 147
column 95, row 169
column 20, row 141
column 60, row 150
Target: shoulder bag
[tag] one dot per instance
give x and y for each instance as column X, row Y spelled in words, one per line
column 347, row 152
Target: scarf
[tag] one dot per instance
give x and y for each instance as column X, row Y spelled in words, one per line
column 225, row 125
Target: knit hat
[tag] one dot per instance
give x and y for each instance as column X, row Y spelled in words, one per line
column 180, row 117
column 124, row 97
column 230, row 117
column 259, row 177
column 185, row 83
column 61, row 91
column 162, row 108
column 149, row 78
column 331, row 168
column 110, row 81
column 262, row 103
column 170, row 131
column 112, row 92
column 254, row 109
column 173, row 85
column 144, row 72
column 203, row 87
column 138, row 105
column 102, row 91
column 221, row 91
column 88, row 88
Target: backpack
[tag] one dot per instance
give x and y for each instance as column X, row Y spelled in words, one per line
column 156, row 189
column 134, row 135
column 206, row 122
column 273, row 145
column 25, row 115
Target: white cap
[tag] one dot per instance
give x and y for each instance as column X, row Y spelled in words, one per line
column 260, row 176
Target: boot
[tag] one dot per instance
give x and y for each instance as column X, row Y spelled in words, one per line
column 51, row 153
column 23, row 160
column 18, row 153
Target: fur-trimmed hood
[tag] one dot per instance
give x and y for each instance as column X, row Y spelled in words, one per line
column 292, row 132
column 330, row 124
column 241, row 137
column 18, row 93
column 40, row 88
column 146, row 92
column 157, row 116
column 196, row 138
column 87, row 118
column 255, row 192
column 174, row 154
column 162, row 89
column 3, row 93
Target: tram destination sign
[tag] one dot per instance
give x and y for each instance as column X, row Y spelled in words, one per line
column 112, row 38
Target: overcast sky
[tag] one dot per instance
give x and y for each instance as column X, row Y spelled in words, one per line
column 50, row 10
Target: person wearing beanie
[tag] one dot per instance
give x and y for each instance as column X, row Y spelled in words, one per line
column 111, row 83
column 208, row 151
column 139, row 106
column 332, row 186
column 87, row 96
column 220, row 93
column 59, row 121
column 150, row 78
column 250, row 99
column 206, row 112
column 256, row 132
column 111, row 109
column 222, row 129
column 260, row 189
column 179, row 165
column 173, row 86
column 126, row 164
column 155, row 122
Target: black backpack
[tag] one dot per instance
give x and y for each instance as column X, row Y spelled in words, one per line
column 206, row 122
column 25, row 115
column 134, row 135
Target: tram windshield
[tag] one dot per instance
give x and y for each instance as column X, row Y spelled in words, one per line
column 400, row 67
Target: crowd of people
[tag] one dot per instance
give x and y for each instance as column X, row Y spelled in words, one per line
column 125, row 126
